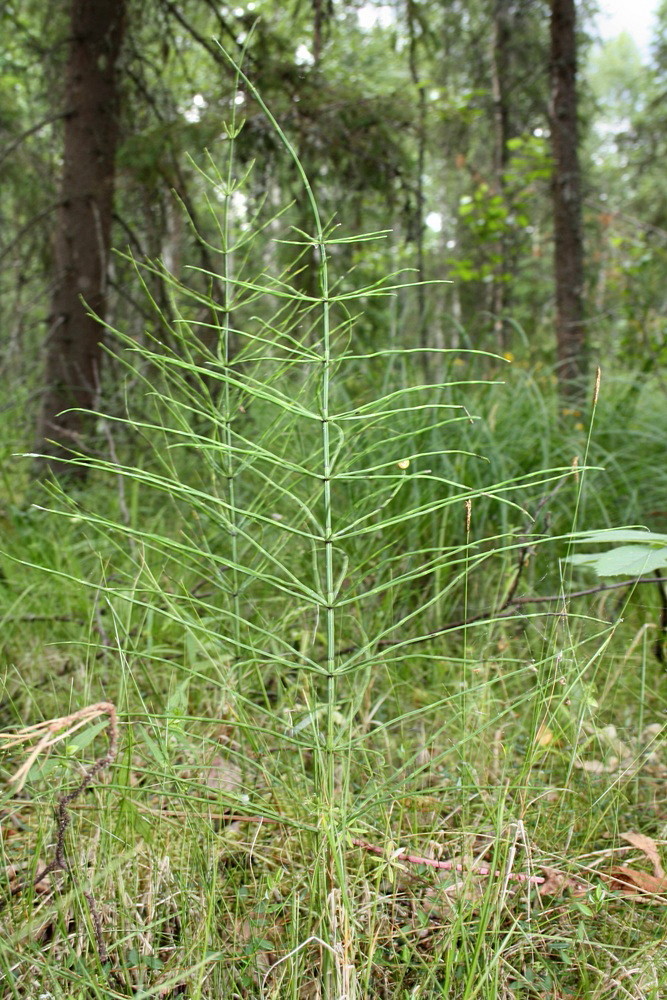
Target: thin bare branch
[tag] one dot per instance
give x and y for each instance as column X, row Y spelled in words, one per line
column 8, row 150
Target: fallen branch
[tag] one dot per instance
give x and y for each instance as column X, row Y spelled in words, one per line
column 48, row 734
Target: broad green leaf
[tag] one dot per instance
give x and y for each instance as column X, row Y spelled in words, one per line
column 624, row 535
column 626, row 560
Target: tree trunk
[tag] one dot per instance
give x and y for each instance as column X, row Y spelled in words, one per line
column 83, row 229
column 566, row 191
column 418, row 219
column 501, row 133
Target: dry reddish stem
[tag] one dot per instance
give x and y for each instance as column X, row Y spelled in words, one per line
column 448, row 866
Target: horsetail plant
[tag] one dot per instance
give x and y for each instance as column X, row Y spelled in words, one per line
column 301, row 544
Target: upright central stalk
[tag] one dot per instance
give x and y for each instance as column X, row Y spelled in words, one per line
column 330, row 596
column 330, row 822
column 225, row 352
column 334, row 822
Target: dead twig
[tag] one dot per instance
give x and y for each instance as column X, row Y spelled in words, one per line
column 46, row 735
column 511, row 611
column 448, row 866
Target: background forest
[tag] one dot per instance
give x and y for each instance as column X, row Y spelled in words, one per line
column 332, row 491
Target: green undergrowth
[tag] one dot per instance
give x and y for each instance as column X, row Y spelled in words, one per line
column 292, row 568
column 204, row 847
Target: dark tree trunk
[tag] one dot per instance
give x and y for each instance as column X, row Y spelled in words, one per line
column 83, row 230
column 418, row 223
column 569, row 248
column 501, row 133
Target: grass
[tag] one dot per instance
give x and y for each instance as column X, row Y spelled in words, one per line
column 264, row 573
column 470, row 750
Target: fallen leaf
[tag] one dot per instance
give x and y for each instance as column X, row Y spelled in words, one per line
column 633, row 880
column 223, row 775
column 593, row 766
column 544, row 736
column 18, row 878
column 556, row 882
column 648, row 847
column 616, row 745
